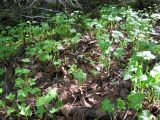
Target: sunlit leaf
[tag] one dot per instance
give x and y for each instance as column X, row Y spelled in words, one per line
column 155, row 71
column 145, row 115
column 147, row 55
column 53, row 110
column 1, row 90
column 10, row 111
column 10, row 96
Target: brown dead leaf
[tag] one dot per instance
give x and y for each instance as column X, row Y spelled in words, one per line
column 84, row 103
column 39, row 75
column 74, row 88
column 66, row 109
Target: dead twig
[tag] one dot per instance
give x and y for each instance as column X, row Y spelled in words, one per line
column 36, row 17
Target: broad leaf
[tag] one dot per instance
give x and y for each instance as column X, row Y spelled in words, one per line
column 107, row 106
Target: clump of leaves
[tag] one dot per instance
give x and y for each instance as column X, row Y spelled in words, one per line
column 107, row 106
column 78, row 73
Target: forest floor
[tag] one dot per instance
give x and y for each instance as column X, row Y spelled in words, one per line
column 79, row 100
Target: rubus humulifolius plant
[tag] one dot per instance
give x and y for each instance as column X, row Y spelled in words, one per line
column 120, row 37
column 78, row 73
column 25, row 92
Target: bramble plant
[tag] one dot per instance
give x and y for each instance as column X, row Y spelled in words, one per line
column 117, row 37
column 78, row 73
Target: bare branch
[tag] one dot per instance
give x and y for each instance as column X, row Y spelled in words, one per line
column 34, row 17
column 49, row 10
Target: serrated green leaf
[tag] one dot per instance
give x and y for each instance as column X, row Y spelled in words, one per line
column 107, row 106
column 134, row 100
column 80, row 75
column 121, row 104
column 104, row 45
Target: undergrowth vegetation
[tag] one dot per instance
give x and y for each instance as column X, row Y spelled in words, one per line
column 121, row 38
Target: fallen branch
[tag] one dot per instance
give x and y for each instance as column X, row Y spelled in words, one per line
column 49, row 10
column 36, row 17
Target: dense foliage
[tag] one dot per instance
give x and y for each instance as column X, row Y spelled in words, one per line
column 121, row 37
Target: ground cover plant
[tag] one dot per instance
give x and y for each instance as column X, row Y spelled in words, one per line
column 78, row 67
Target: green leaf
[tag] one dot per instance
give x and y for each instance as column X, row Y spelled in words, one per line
column 117, row 34
column 22, row 71
column 57, row 62
column 26, row 60
column 40, row 110
column 10, row 96
column 155, row 71
column 52, row 94
column 2, row 103
column 59, row 103
column 75, row 39
column 10, row 111
column 25, row 111
column 19, row 82
column 2, row 71
column 119, row 52
column 134, row 100
column 21, row 94
column 53, row 110
column 80, row 75
column 1, row 90
column 156, row 90
column 107, row 106
column 143, row 78
column 139, row 71
column 31, row 82
column 35, row 90
column 121, row 104
column 117, row 18
column 145, row 115
column 45, row 57
column 45, row 25
column 104, row 45
column 127, row 76
column 40, row 101
column 146, row 55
